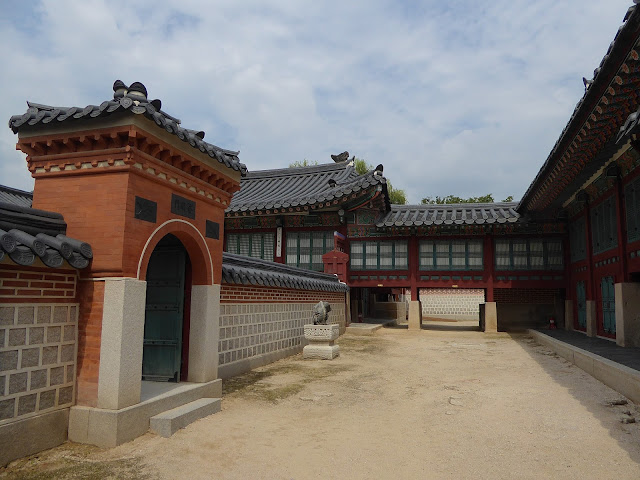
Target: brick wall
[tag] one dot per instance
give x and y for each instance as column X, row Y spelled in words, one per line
column 37, row 358
column 36, row 286
column 525, row 295
column 453, row 303
column 90, row 334
column 268, row 322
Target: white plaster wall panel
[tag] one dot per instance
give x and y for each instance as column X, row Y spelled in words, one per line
column 455, row 303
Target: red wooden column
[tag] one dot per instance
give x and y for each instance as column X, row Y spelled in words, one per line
column 622, row 230
column 489, row 266
column 590, row 291
column 414, row 262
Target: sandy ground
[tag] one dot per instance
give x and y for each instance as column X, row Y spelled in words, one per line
column 434, row 404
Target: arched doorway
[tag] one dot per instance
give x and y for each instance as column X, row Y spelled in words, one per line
column 166, row 325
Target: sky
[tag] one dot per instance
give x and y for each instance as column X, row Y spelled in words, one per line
column 458, row 97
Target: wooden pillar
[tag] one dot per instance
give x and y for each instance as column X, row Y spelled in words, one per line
column 489, row 266
column 414, row 264
column 591, row 289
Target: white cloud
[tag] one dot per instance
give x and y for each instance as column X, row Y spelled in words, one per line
column 458, row 98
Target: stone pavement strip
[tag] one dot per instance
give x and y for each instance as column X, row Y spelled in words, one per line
column 430, row 404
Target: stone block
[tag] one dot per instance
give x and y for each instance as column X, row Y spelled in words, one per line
column 38, row 379
column 8, row 360
column 27, row 404
column 17, row 337
column 60, row 314
column 54, row 334
column 32, row 435
column 415, row 315
column 2, row 387
column 36, row 335
column 65, row 395
column 321, row 333
column 69, row 333
column 2, row 337
column 73, row 315
column 44, row 314
column 7, row 315
column 70, row 375
column 26, row 315
column 56, row 376
column 30, row 357
column 67, row 353
column 50, row 355
column 17, row 383
column 7, row 408
column 47, row 399
column 320, row 352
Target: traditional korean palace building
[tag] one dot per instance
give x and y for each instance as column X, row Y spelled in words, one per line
column 148, row 264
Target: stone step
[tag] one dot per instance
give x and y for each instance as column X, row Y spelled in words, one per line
column 167, row 423
column 363, row 328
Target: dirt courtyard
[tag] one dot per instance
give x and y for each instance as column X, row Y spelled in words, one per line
column 433, row 404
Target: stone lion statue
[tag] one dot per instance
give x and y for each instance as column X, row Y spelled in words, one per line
column 321, row 313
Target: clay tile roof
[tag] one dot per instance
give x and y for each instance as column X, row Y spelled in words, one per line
column 450, row 214
column 27, row 234
column 300, row 186
column 240, row 270
column 133, row 100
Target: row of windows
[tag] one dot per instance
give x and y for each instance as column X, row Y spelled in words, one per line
column 305, row 250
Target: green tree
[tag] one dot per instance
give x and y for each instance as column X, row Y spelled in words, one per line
column 488, row 198
column 397, row 196
column 303, row 163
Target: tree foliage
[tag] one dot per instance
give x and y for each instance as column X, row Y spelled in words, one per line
column 488, row 198
column 303, row 163
column 397, row 196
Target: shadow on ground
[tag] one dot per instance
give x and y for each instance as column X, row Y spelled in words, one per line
column 538, row 352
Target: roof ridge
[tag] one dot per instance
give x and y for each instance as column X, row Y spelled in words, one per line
column 442, row 205
column 16, row 191
column 290, row 171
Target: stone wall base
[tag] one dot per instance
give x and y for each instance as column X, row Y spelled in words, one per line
column 32, row 435
column 321, row 352
column 110, row 428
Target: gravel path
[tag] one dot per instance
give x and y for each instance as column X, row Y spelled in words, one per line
column 398, row 405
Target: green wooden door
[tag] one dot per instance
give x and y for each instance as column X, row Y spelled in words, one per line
column 163, row 314
column 608, row 305
column 581, row 299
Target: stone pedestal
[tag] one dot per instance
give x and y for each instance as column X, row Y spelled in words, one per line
column 627, row 318
column 321, row 341
column 490, row 317
column 415, row 315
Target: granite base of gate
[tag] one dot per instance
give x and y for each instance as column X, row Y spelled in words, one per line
column 321, row 341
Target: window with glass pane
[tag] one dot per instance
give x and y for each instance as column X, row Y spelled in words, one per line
column 258, row 245
column 475, row 254
column 442, row 255
column 401, row 258
column 371, row 255
column 386, row 255
column 536, row 254
column 357, row 255
column 519, row 249
column 503, row 254
column 555, row 258
column 305, row 249
column 426, row 255
column 458, row 255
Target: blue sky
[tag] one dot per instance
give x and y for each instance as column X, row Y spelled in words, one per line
column 458, row 97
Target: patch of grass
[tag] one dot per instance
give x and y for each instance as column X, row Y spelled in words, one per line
column 256, row 385
column 68, row 469
column 362, row 344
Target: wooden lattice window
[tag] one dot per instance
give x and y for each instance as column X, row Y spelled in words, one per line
column 379, row 255
column 257, row 245
column 604, row 229
column 450, row 255
column 578, row 239
column 529, row 254
column 305, row 249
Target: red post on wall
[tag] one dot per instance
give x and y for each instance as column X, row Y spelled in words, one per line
column 489, row 266
column 335, row 263
column 413, row 267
